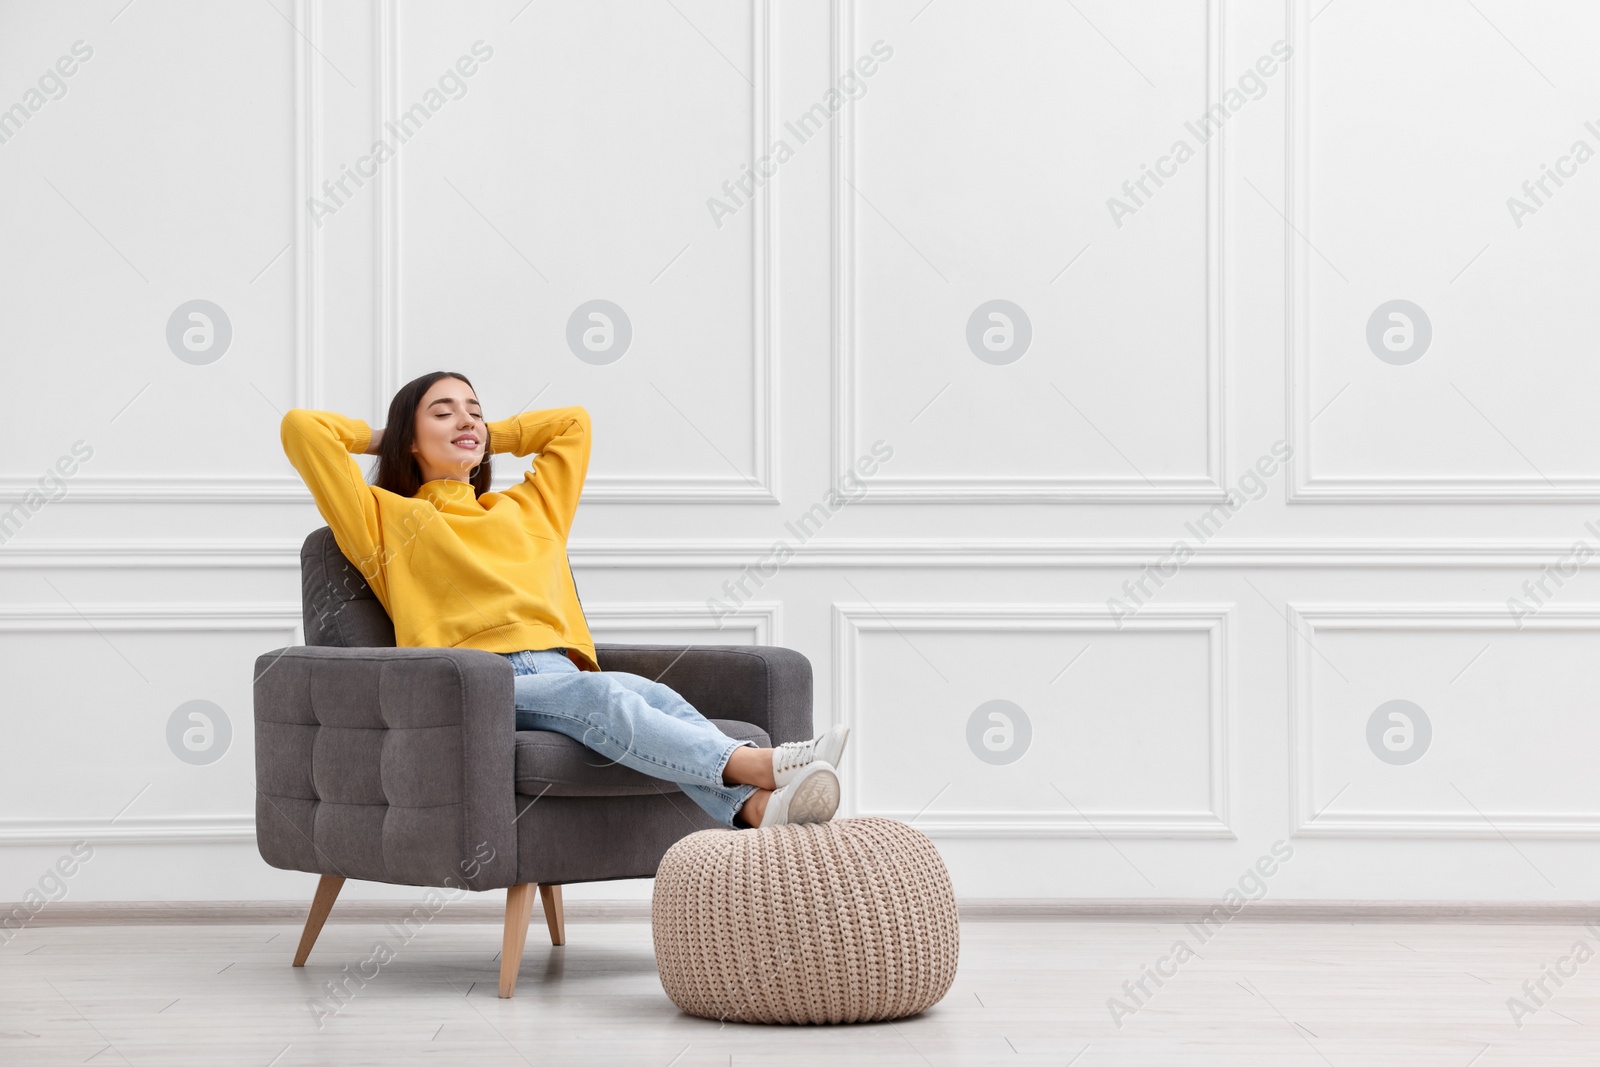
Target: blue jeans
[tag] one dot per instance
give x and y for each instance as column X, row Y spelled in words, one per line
column 630, row 720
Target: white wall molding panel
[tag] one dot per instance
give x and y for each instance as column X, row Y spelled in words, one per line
column 1164, row 425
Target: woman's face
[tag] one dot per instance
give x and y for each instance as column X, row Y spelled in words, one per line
column 450, row 433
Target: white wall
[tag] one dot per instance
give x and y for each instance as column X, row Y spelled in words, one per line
column 1216, row 323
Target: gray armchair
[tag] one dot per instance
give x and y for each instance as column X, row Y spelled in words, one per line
column 404, row 765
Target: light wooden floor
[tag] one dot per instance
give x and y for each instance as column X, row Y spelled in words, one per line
column 1274, row 994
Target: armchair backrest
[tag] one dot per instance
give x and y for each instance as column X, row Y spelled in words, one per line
column 339, row 606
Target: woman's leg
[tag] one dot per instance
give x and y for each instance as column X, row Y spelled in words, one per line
column 754, row 767
column 609, row 716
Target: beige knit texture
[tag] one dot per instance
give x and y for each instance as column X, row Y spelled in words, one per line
column 851, row 920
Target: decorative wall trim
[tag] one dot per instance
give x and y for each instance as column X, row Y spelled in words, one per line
column 998, row 488
column 758, row 488
column 307, row 238
column 1133, row 553
column 168, row 489
column 150, row 615
column 759, row 619
column 1304, row 816
column 249, row 488
column 386, row 205
column 944, row 553
column 146, row 617
column 132, row 830
column 850, row 620
column 1302, row 485
column 165, row 553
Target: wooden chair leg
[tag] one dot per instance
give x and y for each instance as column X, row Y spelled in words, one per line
column 519, row 909
column 554, row 917
column 321, row 904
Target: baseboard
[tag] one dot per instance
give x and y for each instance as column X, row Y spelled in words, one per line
column 1164, row 910
column 490, row 908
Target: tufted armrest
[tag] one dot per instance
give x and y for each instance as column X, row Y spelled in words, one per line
column 387, row 764
column 766, row 685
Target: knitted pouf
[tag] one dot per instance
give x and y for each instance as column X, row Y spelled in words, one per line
column 851, row 920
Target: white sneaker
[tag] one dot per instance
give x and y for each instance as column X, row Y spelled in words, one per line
column 812, row 796
column 789, row 758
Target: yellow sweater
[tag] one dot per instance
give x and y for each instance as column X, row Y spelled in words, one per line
column 451, row 569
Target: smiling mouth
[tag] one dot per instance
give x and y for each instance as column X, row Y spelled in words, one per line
column 465, row 442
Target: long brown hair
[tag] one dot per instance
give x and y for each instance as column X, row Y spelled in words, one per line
column 398, row 471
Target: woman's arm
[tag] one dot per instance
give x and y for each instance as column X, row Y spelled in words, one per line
column 320, row 445
column 562, row 439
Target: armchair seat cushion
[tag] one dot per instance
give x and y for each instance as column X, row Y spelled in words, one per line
column 553, row 764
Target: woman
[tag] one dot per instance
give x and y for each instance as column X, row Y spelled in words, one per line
column 456, row 565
